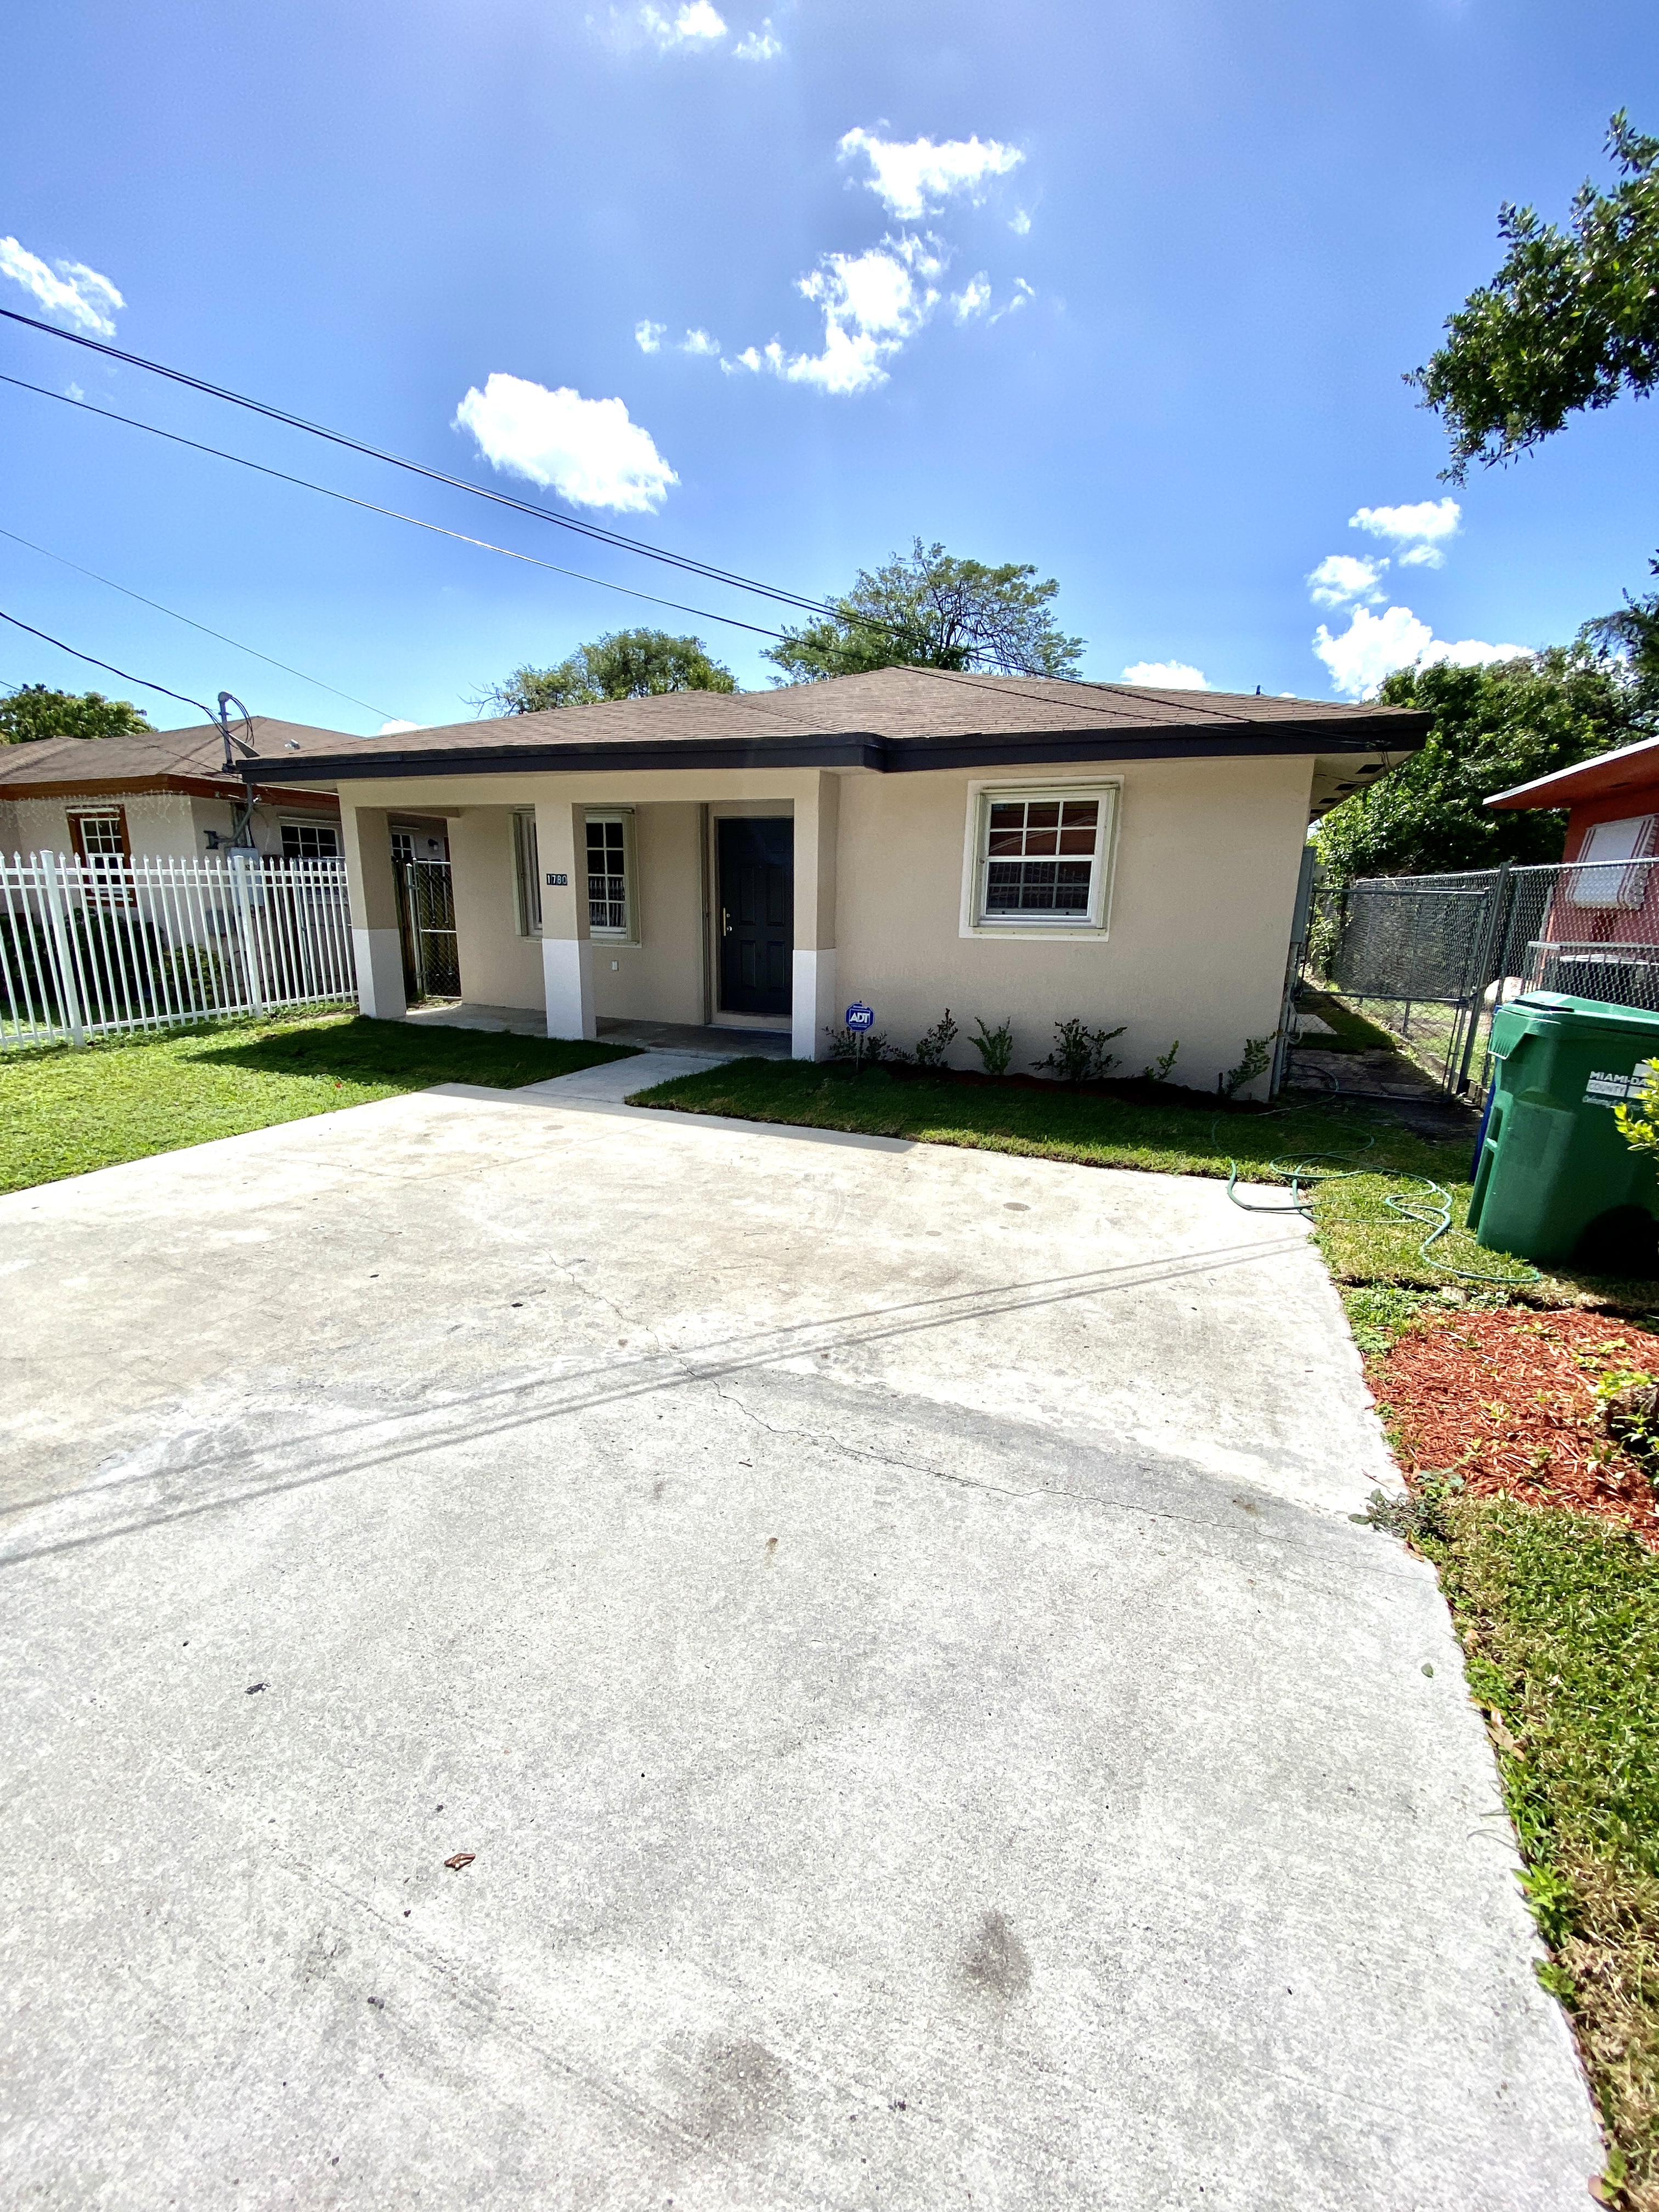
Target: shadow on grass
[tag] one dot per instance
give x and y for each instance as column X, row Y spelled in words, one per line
column 406, row 1055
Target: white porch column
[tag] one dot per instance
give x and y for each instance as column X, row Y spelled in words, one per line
column 813, row 1002
column 567, row 948
column 373, row 898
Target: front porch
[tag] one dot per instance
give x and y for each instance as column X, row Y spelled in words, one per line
column 696, row 925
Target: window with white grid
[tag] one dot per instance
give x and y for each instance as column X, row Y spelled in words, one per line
column 610, row 902
column 310, row 840
column 1041, row 860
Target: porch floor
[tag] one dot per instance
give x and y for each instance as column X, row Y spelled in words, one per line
column 690, row 1037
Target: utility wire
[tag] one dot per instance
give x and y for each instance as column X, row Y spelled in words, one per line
column 92, row 661
column 366, row 704
column 348, row 498
column 418, row 468
column 594, row 531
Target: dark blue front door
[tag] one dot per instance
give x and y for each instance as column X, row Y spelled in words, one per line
column 756, row 915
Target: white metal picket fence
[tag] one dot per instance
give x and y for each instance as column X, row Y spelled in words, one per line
column 91, row 948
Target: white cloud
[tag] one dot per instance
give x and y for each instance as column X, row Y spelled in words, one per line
column 697, row 24
column 698, row 342
column 974, row 298
column 910, row 177
column 872, row 302
column 73, row 392
column 1422, row 528
column 648, row 336
column 395, row 729
column 1023, row 292
column 758, row 46
column 586, row 449
column 1341, row 577
column 1166, row 676
column 1374, row 645
column 1021, row 224
column 72, row 291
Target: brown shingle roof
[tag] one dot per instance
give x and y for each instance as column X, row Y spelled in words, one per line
column 892, row 717
column 151, row 759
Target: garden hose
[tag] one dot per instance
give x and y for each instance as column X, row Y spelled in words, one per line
column 1433, row 1208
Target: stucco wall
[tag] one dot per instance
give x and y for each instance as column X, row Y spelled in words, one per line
column 499, row 968
column 1205, row 881
column 161, row 825
column 660, row 978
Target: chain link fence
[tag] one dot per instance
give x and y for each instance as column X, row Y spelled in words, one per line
column 1431, row 957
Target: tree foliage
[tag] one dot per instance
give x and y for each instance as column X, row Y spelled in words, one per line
column 627, row 664
column 1571, row 320
column 928, row 609
column 32, row 713
column 1492, row 728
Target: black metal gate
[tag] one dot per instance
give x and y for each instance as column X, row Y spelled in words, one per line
column 428, row 902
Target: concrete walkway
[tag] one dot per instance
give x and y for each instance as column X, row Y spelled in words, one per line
column 559, row 1655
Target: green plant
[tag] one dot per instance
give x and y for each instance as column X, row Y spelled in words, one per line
column 1637, row 1116
column 933, row 1049
column 1160, row 1069
column 1257, row 1055
column 863, row 1047
column 995, row 1047
column 1079, row 1055
column 1419, row 1514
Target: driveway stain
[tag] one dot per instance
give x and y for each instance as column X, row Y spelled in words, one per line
column 996, row 1963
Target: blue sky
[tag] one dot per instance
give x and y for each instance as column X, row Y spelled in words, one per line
column 1136, row 311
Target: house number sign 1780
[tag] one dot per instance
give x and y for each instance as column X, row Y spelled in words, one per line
column 558, row 879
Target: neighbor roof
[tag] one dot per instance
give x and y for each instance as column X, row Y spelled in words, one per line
column 1632, row 768
column 893, row 719
column 190, row 761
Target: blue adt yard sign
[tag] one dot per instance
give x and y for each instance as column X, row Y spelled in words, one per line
column 861, row 1017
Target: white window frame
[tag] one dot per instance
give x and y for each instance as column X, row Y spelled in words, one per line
column 527, row 872
column 1599, row 880
column 630, row 932
column 1096, row 921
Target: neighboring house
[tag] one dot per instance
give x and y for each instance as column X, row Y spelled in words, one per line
column 1010, row 847
column 1599, row 934
column 160, row 795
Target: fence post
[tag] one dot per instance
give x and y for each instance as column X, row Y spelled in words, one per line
column 244, row 932
column 1494, row 948
column 68, row 990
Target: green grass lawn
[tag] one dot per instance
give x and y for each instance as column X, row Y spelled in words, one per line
column 63, row 1112
column 1558, row 1615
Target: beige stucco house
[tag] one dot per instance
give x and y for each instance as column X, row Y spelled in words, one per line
column 159, row 795
column 1008, row 847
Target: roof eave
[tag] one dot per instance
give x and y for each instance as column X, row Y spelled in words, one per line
column 1403, row 731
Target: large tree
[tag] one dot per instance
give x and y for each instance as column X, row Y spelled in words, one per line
column 929, row 609
column 32, row 713
column 1571, row 320
column 1492, row 728
column 627, row 664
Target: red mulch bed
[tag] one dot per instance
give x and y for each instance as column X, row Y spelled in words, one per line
column 1506, row 1398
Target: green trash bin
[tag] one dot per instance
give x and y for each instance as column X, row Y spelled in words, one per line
column 1554, row 1180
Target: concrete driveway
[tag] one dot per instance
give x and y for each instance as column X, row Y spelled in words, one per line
column 883, row 1622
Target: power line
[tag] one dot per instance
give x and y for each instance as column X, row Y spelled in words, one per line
column 92, row 661
column 593, row 530
column 370, row 507
column 47, row 554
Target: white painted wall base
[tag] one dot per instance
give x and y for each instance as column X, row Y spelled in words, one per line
column 380, row 957
column 568, row 981
column 813, row 1003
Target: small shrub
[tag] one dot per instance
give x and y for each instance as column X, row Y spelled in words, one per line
column 1079, row 1055
column 1258, row 1056
column 863, row 1047
column 1420, row 1514
column 1160, row 1069
column 995, row 1047
column 934, row 1050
